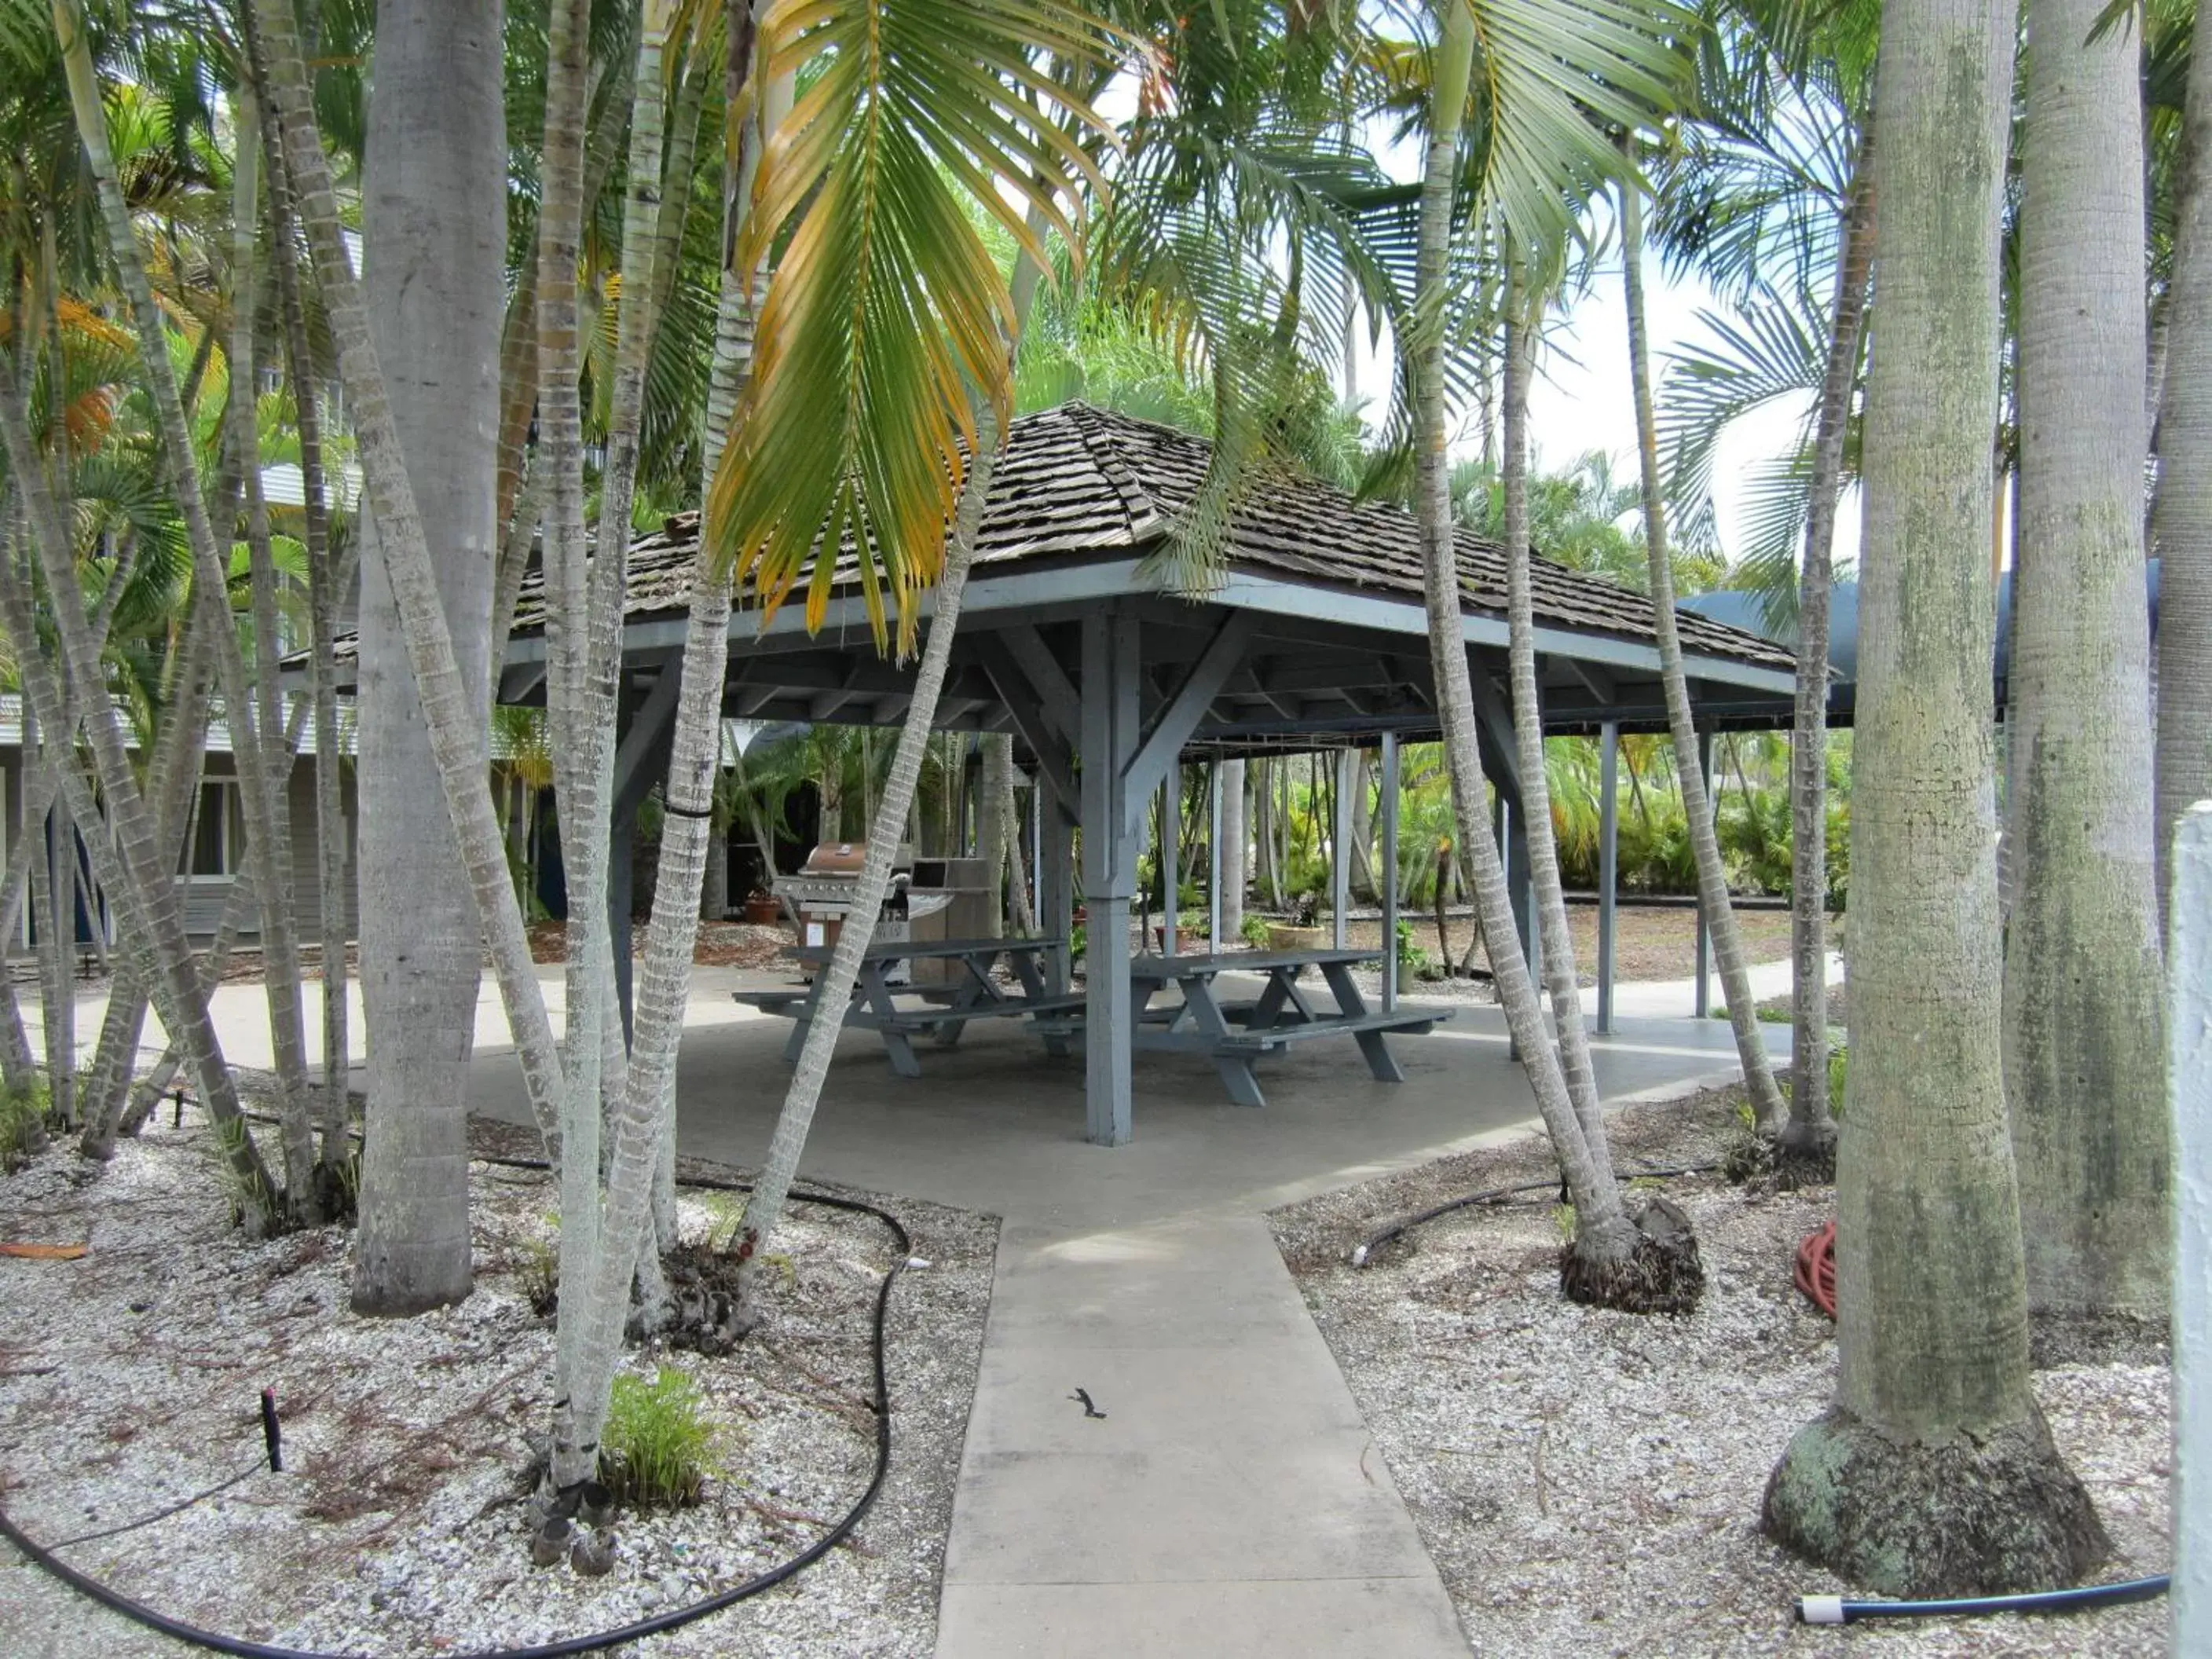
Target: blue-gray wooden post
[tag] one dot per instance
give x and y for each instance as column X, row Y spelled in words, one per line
column 1340, row 847
column 1389, row 789
column 2189, row 1085
column 1704, row 1003
column 1213, row 855
column 1170, row 855
column 1609, row 867
column 1110, row 867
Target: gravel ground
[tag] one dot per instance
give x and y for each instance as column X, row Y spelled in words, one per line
column 129, row 1379
column 1589, row 1482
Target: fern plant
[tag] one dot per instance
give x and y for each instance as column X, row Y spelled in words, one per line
column 658, row 1447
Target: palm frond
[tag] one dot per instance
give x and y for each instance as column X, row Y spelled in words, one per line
column 885, row 308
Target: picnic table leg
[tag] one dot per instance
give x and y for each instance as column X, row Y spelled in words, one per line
column 1236, row 1071
column 878, row 995
column 1270, row 1004
column 1032, row 982
column 977, row 991
column 1382, row 1064
column 807, row 1009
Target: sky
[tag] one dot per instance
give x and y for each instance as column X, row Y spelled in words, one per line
column 1581, row 400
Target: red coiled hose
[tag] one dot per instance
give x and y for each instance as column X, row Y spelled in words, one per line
column 1816, row 1269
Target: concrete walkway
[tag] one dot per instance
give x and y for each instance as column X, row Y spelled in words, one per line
column 1230, row 1502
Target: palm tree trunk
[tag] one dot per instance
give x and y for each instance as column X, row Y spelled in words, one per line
column 312, row 1191
column 127, row 1114
column 210, row 565
column 453, row 710
column 434, row 234
column 1234, row 843
column 127, row 852
column 1766, row 1101
column 57, row 997
column 173, row 792
column 327, row 586
column 1808, row 1139
column 1932, row 1473
column 993, row 822
column 1557, row 955
column 764, row 1210
column 1604, row 1238
column 2084, row 976
column 1023, row 914
column 2182, row 517
column 638, row 1218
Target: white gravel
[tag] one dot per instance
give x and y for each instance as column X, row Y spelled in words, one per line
column 1589, row 1482
column 130, row 1378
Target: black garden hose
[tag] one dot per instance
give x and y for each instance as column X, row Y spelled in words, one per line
column 1363, row 1252
column 44, row 1558
column 1839, row 1610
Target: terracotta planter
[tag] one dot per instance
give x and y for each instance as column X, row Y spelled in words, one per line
column 763, row 911
column 1282, row 936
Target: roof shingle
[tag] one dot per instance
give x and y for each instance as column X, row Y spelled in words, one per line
column 1077, row 480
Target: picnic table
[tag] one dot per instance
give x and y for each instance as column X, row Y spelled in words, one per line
column 1236, row 1033
column 942, row 1011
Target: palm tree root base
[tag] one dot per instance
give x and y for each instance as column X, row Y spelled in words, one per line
column 2000, row 1515
column 707, row 1311
column 1650, row 1266
column 1801, row 1155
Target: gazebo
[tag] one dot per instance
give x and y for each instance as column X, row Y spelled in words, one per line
column 1316, row 637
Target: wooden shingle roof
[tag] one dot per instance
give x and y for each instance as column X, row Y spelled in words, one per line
column 1078, row 484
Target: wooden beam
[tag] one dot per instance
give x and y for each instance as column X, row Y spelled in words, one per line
column 1055, row 757
column 1180, row 718
column 1048, row 680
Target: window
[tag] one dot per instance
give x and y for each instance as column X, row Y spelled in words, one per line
column 216, row 837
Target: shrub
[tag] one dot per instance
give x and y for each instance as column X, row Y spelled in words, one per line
column 22, row 1123
column 1252, row 930
column 658, row 1447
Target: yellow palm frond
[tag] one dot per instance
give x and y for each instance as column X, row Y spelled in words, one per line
column 886, row 308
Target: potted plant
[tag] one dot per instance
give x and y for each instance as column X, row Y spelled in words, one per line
column 762, row 908
column 1303, row 932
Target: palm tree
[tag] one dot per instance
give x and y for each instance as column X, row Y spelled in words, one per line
column 1808, row 1139
column 857, row 138
column 1775, row 169
column 2181, row 518
column 433, row 231
column 1933, row 1473
column 2084, row 978
column 306, row 1187
column 1557, row 952
column 1767, row 1104
column 1646, row 1262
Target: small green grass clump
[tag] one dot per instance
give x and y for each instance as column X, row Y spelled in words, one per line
column 22, row 1124
column 658, row 1445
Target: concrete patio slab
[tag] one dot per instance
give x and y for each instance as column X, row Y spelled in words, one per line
column 1269, row 1619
